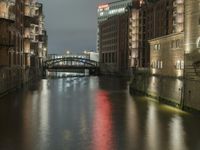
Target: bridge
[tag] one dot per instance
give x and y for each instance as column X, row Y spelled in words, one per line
column 71, row 64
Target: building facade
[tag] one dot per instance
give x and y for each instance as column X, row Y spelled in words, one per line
column 192, row 53
column 158, row 18
column 114, row 44
column 21, row 26
column 167, row 55
column 118, row 36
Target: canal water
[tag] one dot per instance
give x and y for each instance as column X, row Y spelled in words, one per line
column 92, row 113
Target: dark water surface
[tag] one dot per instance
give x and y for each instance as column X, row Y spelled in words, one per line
column 92, row 113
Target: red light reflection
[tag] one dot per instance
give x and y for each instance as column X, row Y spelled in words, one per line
column 102, row 125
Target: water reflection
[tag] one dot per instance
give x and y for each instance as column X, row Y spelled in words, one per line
column 91, row 113
column 132, row 128
column 102, row 125
column 152, row 128
column 177, row 134
column 44, row 116
column 36, row 117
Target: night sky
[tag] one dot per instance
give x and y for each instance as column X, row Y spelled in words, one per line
column 71, row 24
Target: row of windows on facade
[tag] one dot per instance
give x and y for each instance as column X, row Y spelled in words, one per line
column 173, row 44
column 109, row 35
column 109, row 28
column 109, row 57
column 110, row 41
column 159, row 64
column 109, row 48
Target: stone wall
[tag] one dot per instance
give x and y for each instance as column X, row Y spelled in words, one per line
column 15, row 77
column 166, row 89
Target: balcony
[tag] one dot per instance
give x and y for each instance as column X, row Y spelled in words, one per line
column 9, row 2
column 41, row 38
column 7, row 17
column 6, row 42
column 31, row 20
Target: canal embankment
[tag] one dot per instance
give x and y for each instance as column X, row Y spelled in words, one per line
column 12, row 78
column 165, row 89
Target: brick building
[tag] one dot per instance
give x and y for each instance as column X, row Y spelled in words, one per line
column 11, row 38
column 118, row 36
column 158, row 18
column 22, row 38
column 114, row 44
column 167, row 38
column 146, row 20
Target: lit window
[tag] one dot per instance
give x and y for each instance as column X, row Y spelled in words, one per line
column 153, row 65
column 176, row 44
column 182, row 64
column 161, row 64
column 198, row 42
column 157, row 47
column 178, row 64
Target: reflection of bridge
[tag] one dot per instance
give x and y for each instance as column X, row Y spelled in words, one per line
column 70, row 64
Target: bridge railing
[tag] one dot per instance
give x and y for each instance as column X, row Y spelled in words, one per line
column 70, row 61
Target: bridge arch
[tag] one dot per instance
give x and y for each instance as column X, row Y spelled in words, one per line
column 70, row 63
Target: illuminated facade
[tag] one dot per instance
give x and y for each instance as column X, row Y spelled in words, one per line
column 114, row 44
column 106, row 10
column 167, row 55
column 22, row 37
column 11, row 48
column 118, row 50
column 167, row 46
column 192, row 53
column 158, row 18
column 35, row 37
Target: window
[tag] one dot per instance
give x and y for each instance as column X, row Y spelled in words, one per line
column 198, row 42
column 199, row 21
column 176, row 44
column 160, row 64
column 157, row 47
column 157, row 64
column 182, row 64
column 178, row 64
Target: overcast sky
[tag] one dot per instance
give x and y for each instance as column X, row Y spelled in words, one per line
column 71, row 24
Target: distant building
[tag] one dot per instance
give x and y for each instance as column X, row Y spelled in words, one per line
column 106, row 10
column 114, row 44
column 118, row 36
column 92, row 55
